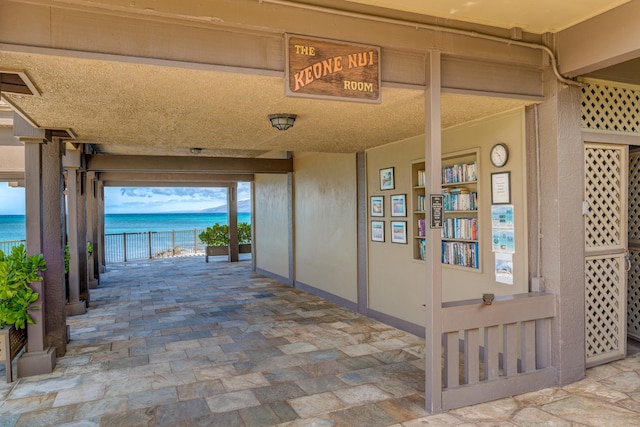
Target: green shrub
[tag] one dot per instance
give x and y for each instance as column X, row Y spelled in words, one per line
column 17, row 271
column 218, row 234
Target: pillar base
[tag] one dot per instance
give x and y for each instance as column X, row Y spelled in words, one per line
column 93, row 284
column 37, row 362
column 76, row 308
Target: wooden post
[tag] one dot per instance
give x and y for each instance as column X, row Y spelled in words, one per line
column 232, row 214
column 433, row 304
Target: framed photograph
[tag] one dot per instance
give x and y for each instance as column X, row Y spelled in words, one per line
column 377, row 206
column 377, row 231
column 501, row 188
column 398, row 205
column 399, row 232
column 387, row 181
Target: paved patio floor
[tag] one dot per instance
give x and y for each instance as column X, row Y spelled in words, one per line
column 178, row 342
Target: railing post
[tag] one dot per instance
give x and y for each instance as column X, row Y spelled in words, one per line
column 173, row 242
column 150, row 239
column 124, row 240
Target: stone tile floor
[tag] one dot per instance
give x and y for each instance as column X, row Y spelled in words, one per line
column 178, row 342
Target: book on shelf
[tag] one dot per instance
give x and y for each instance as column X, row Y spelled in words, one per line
column 460, row 254
column 421, row 178
column 461, row 172
column 460, row 201
column 420, row 203
column 460, row 228
column 422, row 230
column 422, row 249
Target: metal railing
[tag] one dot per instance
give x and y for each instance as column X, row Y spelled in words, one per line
column 125, row 247
column 6, row 246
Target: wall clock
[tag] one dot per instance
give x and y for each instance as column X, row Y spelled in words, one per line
column 499, row 155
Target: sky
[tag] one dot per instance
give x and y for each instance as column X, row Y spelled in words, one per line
column 139, row 199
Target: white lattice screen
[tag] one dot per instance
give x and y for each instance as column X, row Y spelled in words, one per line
column 633, row 277
column 610, row 108
column 633, row 296
column 605, row 304
column 603, row 179
column 605, row 247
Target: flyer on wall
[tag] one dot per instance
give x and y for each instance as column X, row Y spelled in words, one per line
column 504, row 268
column 502, row 216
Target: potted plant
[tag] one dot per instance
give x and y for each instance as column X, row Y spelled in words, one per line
column 216, row 238
column 17, row 271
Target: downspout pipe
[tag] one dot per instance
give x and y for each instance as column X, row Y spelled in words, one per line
column 418, row 25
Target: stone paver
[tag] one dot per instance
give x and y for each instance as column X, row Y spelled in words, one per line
column 179, row 342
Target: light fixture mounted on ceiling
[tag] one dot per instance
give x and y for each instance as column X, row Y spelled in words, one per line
column 282, row 121
column 196, row 150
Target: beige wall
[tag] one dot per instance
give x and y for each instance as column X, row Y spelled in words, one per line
column 509, row 129
column 396, row 281
column 271, row 224
column 326, row 223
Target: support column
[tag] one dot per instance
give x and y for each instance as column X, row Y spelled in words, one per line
column 82, row 237
column 363, row 284
column 75, row 305
column 100, row 255
column 232, row 212
column 562, row 236
column 92, row 230
column 40, row 179
column 433, row 156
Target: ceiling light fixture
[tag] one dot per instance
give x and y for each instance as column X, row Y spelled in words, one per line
column 196, row 150
column 282, row 121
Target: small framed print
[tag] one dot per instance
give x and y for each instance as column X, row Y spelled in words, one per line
column 501, row 188
column 377, row 231
column 398, row 205
column 387, row 181
column 399, row 232
column 377, row 206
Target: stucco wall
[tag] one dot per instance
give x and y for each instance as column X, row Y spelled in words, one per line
column 507, row 128
column 326, row 223
column 396, row 280
column 271, row 224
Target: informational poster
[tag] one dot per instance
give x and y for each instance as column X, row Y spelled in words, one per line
column 504, row 268
column 503, row 242
column 502, row 216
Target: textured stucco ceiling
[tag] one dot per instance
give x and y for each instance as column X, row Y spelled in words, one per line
column 126, row 108
column 538, row 16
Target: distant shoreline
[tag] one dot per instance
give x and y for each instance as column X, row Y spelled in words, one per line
column 12, row 227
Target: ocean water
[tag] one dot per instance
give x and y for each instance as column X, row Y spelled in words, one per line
column 12, row 227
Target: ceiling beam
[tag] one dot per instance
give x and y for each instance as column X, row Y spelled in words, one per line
column 208, row 184
column 602, row 41
column 184, row 179
column 116, row 163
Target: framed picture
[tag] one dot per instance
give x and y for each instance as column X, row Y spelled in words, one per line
column 377, row 206
column 377, row 231
column 386, row 179
column 399, row 232
column 501, row 188
column 398, row 205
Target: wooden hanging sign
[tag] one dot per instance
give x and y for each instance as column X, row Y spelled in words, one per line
column 329, row 69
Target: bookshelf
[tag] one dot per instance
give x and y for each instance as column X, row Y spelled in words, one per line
column 418, row 209
column 460, row 234
column 461, row 224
